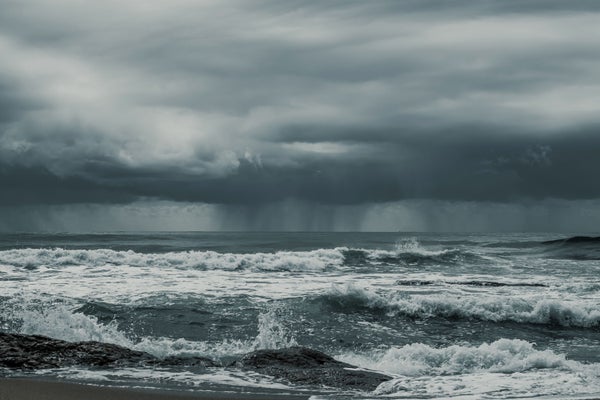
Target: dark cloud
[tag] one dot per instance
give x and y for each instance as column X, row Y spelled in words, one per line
column 248, row 104
column 22, row 186
column 460, row 164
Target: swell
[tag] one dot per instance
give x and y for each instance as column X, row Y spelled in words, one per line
column 575, row 240
column 573, row 248
column 533, row 310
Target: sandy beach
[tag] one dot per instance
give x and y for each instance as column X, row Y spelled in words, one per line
column 27, row 389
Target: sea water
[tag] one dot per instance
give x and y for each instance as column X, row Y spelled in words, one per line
column 447, row 316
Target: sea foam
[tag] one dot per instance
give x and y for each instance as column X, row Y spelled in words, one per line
column 63, row 321
column 31, row 259
column 503, row 355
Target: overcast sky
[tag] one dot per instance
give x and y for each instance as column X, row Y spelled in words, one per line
column 257, row 114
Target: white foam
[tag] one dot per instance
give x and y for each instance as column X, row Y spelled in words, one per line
column 500, row 369
column 278, row 261
column 533, row 384
column 215, row 378
column 503, row 355
column 408, row 246
column 272, row 334
column 61, row 321
column 124, row 276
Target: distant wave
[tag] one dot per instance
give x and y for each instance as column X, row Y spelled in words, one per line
column 405, row 253
column 412, row 252
column 279, row 261
column 349, row 298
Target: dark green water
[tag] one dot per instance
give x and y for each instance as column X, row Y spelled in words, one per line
column 456, row 310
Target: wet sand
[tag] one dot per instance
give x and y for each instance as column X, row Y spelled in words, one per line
column 29, row 389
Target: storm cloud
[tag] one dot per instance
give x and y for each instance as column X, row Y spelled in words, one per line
column 314, row 111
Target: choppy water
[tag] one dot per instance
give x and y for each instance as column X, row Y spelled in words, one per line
column 466, row 316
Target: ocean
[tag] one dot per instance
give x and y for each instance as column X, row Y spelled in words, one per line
column 464, row 316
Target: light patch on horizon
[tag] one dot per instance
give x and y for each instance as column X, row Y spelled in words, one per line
column 318, row 147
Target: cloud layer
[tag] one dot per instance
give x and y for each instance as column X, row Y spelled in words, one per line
column 338, row 103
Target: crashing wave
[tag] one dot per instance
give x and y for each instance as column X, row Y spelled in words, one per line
column 404, row 253
column 315, row 260
column 484, row 371
column 350, row 298
column 64, row 321
column 411, row 252
column 503, row 355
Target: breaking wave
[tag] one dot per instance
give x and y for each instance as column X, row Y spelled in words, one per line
column 349, row 298
column 503, row 355
column 411, row 252
column 405, row 253
column 64, row 322
column 489, row 370
column 315, row 260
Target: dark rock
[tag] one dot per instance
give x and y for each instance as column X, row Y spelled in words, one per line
column 301, row 365
column 297, row 365
column 38, row 352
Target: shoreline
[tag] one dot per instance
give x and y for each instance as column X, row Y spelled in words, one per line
column 43, row 389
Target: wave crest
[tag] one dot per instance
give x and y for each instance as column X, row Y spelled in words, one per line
column 314, row 260
column 349, row 298
column 503, row 355
column 63, row 321
column 411, row 252
column 407, row 253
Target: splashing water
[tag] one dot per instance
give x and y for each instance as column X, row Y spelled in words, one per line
column 60, row 320
column 272, row 334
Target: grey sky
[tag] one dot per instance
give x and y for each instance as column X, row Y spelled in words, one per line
column 299, row 108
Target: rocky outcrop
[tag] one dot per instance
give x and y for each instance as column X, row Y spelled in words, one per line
column 305, row 366
column 38, row 352
column 297, row 365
